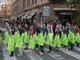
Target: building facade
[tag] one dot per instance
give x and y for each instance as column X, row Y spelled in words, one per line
column 9, row 8
column 33, row 10
column 4, row 11
column 0, row 14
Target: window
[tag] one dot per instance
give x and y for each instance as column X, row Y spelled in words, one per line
column 41, row 0
column 35, row 1
column 28, row 3
column 5, row 11
column 18, row 7
column 24, row 3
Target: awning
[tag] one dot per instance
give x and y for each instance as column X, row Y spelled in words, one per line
column 30, row 15
column 14, row 18
column 64, row 8
column 25, row 15
column 6, row 19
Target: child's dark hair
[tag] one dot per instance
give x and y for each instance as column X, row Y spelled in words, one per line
column 12, row 32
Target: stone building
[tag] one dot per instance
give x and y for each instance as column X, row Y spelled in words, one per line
column 9, row 8
column 6, row 9
column 31, row 10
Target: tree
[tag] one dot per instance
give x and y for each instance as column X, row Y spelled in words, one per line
column 75, row 4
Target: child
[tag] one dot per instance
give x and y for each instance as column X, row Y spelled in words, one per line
column 16, row 36
column 6, row 35
column 77, row 39
column 69, row 38
column 57, row 41
column 62, row 36
column 49, row 40
column 26, row 40
column 36, row 38
column 65, row 42
column 19, row 44
column 31, row 45
column 41, row 42
column 11, row 43
column 72, row 41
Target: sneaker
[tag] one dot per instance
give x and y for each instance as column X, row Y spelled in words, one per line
column 25, row 48
column 41, row 53
column 11, row 55
column 66, row 50
column 36, row 48
column 19, row 55
column 57, row 50
column 31, row 53
column 49, row 52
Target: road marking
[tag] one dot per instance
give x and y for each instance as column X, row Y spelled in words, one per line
column 77, row 48
column 55, row 55
column 39, row 58
column 32, row 57
column 75, row 55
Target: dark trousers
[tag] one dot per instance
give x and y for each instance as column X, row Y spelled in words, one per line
column 78, row 45
column 50, row 48
column 36, row 45
column 72, row 46
column 42, row 49
column 12, row 53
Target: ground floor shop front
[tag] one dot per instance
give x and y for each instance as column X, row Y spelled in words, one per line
column 57, row 12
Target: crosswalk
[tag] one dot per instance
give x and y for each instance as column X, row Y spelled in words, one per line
column 6, row 54
column 72, row 54
column 77, row 48
column 54, row 55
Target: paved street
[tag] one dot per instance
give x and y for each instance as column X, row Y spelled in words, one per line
column 54, row 55
column 26, row 23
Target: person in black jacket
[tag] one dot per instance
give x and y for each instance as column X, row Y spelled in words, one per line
column 20, row 29
column 26, row 27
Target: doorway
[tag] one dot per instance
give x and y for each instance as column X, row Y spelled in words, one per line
column 63, row 16
column 64, row 19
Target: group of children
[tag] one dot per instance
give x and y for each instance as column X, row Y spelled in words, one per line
column 38, row 41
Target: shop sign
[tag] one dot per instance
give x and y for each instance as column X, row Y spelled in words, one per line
column 65, row 13
column 46, row 11
column 64, row 8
